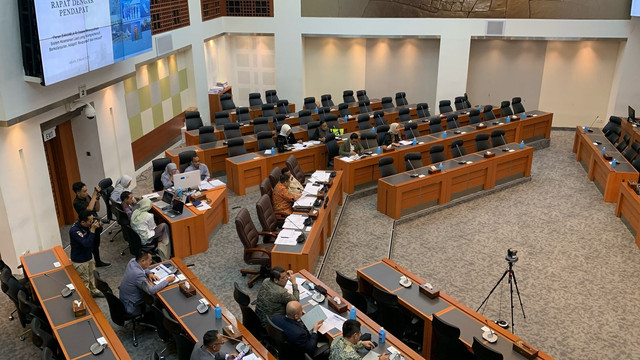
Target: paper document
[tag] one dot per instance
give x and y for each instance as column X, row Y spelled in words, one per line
column 313, row 316
column 305, row 201
column 203, row 206
column 297, row 146
column 406, row 142
column 347, row 158
column 312, row 189
column 371, row 355
column 333, row 321
column 321, row 176
column 251, row 356
column 151, row 196
column 162, row 272
column 312, row 142
column 288, row 237
column 206, row 185
column 301, row 289
column 295, row 221
column 267, row 152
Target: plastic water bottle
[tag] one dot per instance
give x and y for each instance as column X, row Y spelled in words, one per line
column 179, row 193
column 480, row 108
column 522, row 144
column 586, row 129
column 508, row 119
column 523, row 116
column 346, row 118
column 613, row 163
column 315, row 110
column 382, row 336
column 444, row 134
column 379, row 151
column 373, row 129
column 415, row 141
column 440, row 166
column 352, row 313
column 603, row 151
column 273, row 150
column 218, row 312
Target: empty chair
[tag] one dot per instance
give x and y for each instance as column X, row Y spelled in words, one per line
column 101, row 285
column 387, row 102
column 255, row 99
column 623, row 143
column 483, row 352
column 364, row 106
column 41, row 337
column 516, row 104
column 614, row 122
column 271, row 96
column 474, row 116
column 274, row 176
column 158, row 166
column 268, row 111
column 326, row 100
column 435, row 124
column 265, row 140
column 192, row 120
column 423, row 110
column 242, row 115
column 497, row 138
column 362, row 95
column 445, row 106
column 349, row 288
column 221, row 118
column 265, row 187
column 282, row 106
column 437, row 154
column 457, row 148
column 254, row 253
column 343, row 109
column 390, row 315
column 310, row 103
column 268, row 219
column 347, row 96
column 482, row 142
column 323, row 112
column 401, row 99
column 466, row 100
column 333, row 149
column 261, row 124
column 404, row 114
column 368, row 139
column 332, row 121
column 119, row 315
column 452, row 121
column 296, row 170
column 363, row 122
column 184, row 159
column 411, row 130
column 387, row 168
column 312, row 130
column 226, row 102
column 249, row 318
column 236, row 147
column 505, row 108
column 631, row 152
column 636, row 164
column 305, row 117
column 412, row 160
column 378, row 118
column 232, row 130
column 381, row 132
column 206, row 134
column 459, row 103
column 447, row 341
column 487, row 113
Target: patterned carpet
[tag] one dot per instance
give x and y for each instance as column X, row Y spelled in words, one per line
column 575, row 271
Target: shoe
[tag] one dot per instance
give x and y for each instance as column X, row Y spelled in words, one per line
column 97, row 294
column 103, row 264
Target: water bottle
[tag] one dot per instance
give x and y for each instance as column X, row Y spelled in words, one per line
column 613, row 163
column 218, row 312
column 444, row 134
column 273, row 150
column 523, row 116
column 352, row 313
column 508, row 119
column 586, row 129
column 440, row 166
column 346, row 118
column 381, row 336
column 373, row 129
column 415, row 141
column 480, row 108
column 522, row 144
column 315, row 110
column 603, row 151
column 179, row 193
column 379, row 151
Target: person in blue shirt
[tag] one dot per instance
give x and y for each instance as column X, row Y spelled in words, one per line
column 136, row 279
column 82, row 236
column 210, row 348
column 297, row 334
column 197, row 165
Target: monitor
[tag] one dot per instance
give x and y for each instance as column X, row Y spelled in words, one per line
column 635, row 8
column 632, row 114
column 187, row 180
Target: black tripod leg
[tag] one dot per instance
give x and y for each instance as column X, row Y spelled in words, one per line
column 515, row 281
column 511, row 275
column 492, row 290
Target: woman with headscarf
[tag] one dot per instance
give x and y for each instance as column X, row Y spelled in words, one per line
column 285, row 137
column 121, row 185
column 167, row 176
column 392, row 137
column 145, row 226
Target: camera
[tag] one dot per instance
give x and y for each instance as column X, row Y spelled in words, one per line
column 512, row 256
column 89, row 112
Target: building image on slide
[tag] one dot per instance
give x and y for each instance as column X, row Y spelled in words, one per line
column 130, row 28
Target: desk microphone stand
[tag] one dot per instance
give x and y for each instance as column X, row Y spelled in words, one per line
column 511, row 258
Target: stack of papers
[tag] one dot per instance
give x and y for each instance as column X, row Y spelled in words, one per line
column 321, row 176
column 303, row 291
column 305, row 201
column 312, row 189
column 313, row 316
column 206, row 185
column 162, row 272
column 288, row 237
column 151, row 196
column 333, row 321
column 406, row 142
column 295, row 221
column 203, row 206
column 297, row 146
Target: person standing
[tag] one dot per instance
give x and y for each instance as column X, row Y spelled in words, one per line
column 82, row 237
column 92, row 204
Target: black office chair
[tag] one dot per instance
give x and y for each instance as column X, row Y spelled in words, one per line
column 323, row 112
column 310, row 103
column 261, row 124
column 412, row 161
column 226, row 102
column 437, row 154
column 42, row 337
column 184, row 159
column 326, row 100
column 206, row 134
column 378, row 118
column 286, row 351
column 135, row 243
column 484, row 352
column 47, row 354
column 243, row 116
column 271, row 96
column 362, row 95
column 516, row 104
column 487, row 113
column 386, row 167
column 457, row 148
column 392, row 317
column 482, row 142
column 270, row 222
column 614, row 122
column 368, row 139
column 106, row 188
column 363, row 122
column 452, row 121
column 364, row 106
column 122, row 219
column 614, row 135
column 401, row 99
column 411, row 130
column 505, row 108
column 474, row 116
column 274, row 176
column 312, row 130
column 254, row 253
column 347, row 97
column 466, row 99
column 236, row 147
column 221, row 118
column 333, row 149
column 630, row 153
column 232, row 130
column 255, row 99
column 445, row 106
column 119, row 315
column 184, row 346
column 623, row 143
column 636, row 164
column 278, row 121
column 305, row 117
column 447, row 343
column 423, row 110
column 459, row 103
column 283, row 107
column 435, row 124
column 296, row 170
column 192, row 120
column 343, row 109
column 101, row 285
column 268, row 111
column 404, row 115
column 265, row 141
column 28, row 311
column 349, row 288
column 497, row 138
column 381, row 132
column 249, row 318
column 13, row 286
column 387, row 102
column 332, row 121
column 154, row 355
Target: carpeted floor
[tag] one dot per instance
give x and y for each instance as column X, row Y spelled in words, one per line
column 576, row 268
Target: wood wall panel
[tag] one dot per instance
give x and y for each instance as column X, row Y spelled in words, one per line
column 157, row 140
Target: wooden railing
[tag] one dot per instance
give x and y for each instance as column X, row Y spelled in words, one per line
column 212, row 9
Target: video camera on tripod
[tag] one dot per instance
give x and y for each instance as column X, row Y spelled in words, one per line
column 512, row 256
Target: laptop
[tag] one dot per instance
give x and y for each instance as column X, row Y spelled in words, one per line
column 176, row 208
column 165, row 203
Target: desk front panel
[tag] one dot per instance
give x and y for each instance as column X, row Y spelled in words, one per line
column 628, row 205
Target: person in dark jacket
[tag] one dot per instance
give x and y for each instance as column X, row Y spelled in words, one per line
column 296, row 332
column 82, row 236
column 392, row 137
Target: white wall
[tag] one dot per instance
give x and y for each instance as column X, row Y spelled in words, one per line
column 627, row 90
column 88, row 150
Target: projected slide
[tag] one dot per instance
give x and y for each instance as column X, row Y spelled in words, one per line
column 78, row 36
column 635, row 8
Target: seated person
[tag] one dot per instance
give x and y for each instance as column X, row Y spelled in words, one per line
column 167, row 176
column 345, row 347
column 392, row 137
column 128, row 202
column 295, row 188
column 210, row 348
column 121, row 185
column 273, row 297
column 197, row 165
column 296, row 332
column 322, row 131
column 143, row 223
column 351, row 147
column 285, row 137
column 136, row 274
column 282, row 199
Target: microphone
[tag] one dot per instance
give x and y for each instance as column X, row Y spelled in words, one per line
column 368, row 145
column 411, row 128
column 506, row 147
column 414, row 174
column 460, row 162
column 65, row 292
column 95, row 348
column 594, row 121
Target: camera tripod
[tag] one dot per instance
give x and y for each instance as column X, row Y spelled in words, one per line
column 512, row 281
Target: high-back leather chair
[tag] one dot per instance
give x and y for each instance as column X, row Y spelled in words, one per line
column 261, row 124
column 505, row 108
column 286, row 350
column 192, row 120
column 452, row 121
column 459, row 103
column 323, row 112
column 482, row 142
column 278, row 121
column 343, row 109
column 387, row 102
column 268, row 110
column 310, row 103
column 158, row 166
column 332, row 121
column 206, row 134
column 381, row 132
column 312, row 130
column 613, row 123
column 362, row 95
column 404, row 114
column 333, row 149
column 255, row 99
column 364, row 106
column 274, row 176
column 267, row 217
column 363, row 122
column 437, row 154
column 226, row 102
column 466, row 100
column 401, row 99
column 347, row 97
column 445, row 106
column 423, row 110
column 497, row 138
column 254, row 253
column 305, row 117
column 106, row 188
column 448, row 344
column 484, row 352
column 232, row 130
column 326, row 100
column 614, row 135
column 349, row 288
column 236, row 147
column 474, row 116
column 487, row 113
column 378, row 118
column 283, row 107
column 435, row 124
column 296, row 170
column 271, row 96
column 516, row 104
column 184, row 159
column 242, row 115
column 265, row 141
column 119, row 315
column 368, row 139
column 221, row 118
column 386, row 167
column 266, row 188
column 411, row 130
column 457, row 148
column 250, row 319
column 412, row 161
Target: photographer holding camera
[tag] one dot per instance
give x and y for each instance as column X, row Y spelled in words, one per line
column 84, row 202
